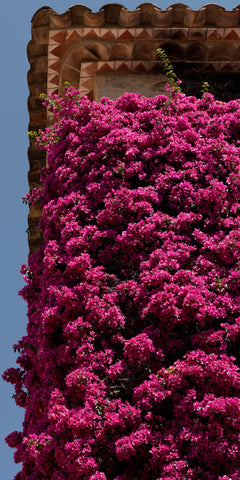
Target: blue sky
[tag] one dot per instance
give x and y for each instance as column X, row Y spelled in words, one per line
column 15, row 34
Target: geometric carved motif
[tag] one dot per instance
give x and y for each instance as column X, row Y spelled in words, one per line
column 107, row 50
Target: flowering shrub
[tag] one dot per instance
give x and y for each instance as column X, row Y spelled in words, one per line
column 130, row 366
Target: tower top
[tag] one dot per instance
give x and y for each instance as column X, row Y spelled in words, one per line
column 114, row 50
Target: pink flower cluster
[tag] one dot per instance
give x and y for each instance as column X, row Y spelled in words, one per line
column 130, row 366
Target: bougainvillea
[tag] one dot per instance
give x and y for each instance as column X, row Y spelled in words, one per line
column 130, row 366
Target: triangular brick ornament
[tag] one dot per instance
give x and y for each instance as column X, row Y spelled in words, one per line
column 179, row 35
column 105, row 68
column 55, row 66
column 232, row 36
column 157, row 68
column 91, row 33
column 89, row 68
column 140, row 68
column 60, row 50
column 59, row 37
column 215, row 35
column 90, row 96
column 108, row 35
column 87, row 83
column 123, row 68
column 126, row 36
column 55, row 80
column 144, row 35
column 227, row 68
column 73, row 37
column 210, row 67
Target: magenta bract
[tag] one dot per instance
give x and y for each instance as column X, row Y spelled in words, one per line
column 130, row 366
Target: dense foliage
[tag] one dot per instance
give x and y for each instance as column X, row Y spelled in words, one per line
column 130, row 366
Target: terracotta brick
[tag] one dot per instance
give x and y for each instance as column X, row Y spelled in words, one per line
column 129, row 19
column 73, row 36
column 236, row 55
column 104, row 67
column 197, row 34
column 112, row 13
column 108, row 34
column 215, row 33
column 235, row 65
column 60, row 21
column 225, row 67
column 41, row 17
column 87, row 83
column 84, row 91
column 223, row 51
column 100, row 51
column 232, row 34
column 34, row 246
column 35, row 211
column 40, row 35
column 59, row 50
column 36, row 89
column 91, row 32
column 146, row 13
column 34, row 50
column 75, row 56
column 126, row 34
column 35, row 126
column 94, row 19
column 175, row 50
column 36, row 77
column 195, row 18
column 144, row 33
column 162, row 19
column 38, row 118
column 123, row 67
column 90, row 67
column 58, row 37
column 90, row 96
column 39, row 64
column 197, row 51
column 144, row 50
column 121, row 51
column 32, row 221
column 36, row 163
column 35, row 232
column 156, row 67
column 213, row 12
column 161, row 33
column 210, row 67
column 77, row 14
column 70, row 75
column 55, row 66
column 35, row 155
column 140, row 67
column 35, row 104
column 227, row 19
column 179, row 33
column 178, row 13
column 54, row 80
